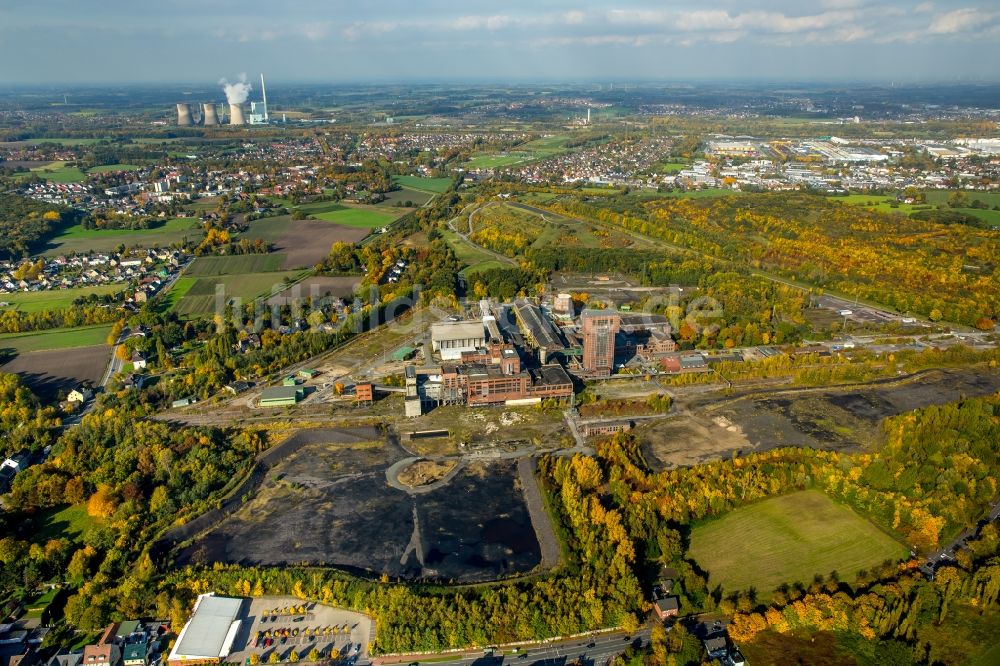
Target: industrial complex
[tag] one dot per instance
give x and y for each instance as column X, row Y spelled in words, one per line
column 236, row 96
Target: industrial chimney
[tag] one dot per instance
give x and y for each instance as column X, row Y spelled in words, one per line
column 184, row 115
column 236, row 114
column 208, row 114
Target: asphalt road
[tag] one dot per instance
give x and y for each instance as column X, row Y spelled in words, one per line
column 605, row 648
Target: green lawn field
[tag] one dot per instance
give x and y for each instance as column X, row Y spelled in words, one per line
column 357, row 217
column 68, row 522
column 670, row 167
column 435, row 185
column 163, row 233
column 106, row 168
column 55, row 299
column 474, row 258
column 199, row 297
column 234, row 265
column 789, row 539
column 888, row 204
column 497, row 160
column 57, row 338
column 58, row 172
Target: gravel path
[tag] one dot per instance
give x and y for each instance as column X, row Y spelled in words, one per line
column 547, row 541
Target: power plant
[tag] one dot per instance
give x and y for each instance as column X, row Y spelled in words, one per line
column 184, row 115
column 258, row 111
column 236, row 95
column 236, row 114
column 208, row 115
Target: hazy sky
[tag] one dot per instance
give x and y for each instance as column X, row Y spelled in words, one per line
column 400, row 40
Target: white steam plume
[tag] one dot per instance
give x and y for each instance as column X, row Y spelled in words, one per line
column 236, row 93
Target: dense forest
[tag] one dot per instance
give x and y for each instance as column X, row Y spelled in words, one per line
column 941, row 271
column 24, row 221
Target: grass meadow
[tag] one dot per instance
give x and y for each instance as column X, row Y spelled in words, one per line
column 789, row 539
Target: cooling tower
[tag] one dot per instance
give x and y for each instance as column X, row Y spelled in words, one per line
column 236, row 114
column 184, row 115
column 208, row 114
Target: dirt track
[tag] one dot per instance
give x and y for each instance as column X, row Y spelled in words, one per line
column 715, row 426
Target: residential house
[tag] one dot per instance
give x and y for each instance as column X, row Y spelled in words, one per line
column 716, row 646
column 667, row 607
column 136, row 654
column 138, row 360
column 134, row 381
column 65, row 658
column 102, row 654
column 80, row 394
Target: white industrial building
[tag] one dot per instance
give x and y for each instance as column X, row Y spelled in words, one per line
column 208, row 636
column 451, row 338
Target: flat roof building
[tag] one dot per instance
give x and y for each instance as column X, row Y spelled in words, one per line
column 208, row 636
column 451, row 338
column 280, row 396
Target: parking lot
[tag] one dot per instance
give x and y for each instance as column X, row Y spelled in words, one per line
column 274, row 625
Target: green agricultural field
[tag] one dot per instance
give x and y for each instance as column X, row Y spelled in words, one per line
column 58, row 172
column 789, row 539
column 54, row 299
column 698, row 194
column 65, row 141
column 178, row 290
column 547, row 145
column 57, row 338
column 363, row 218
column 415, row 197
column 499, row 160
column 199, row 298
column 234, row 265
column 935, row 198
column 434, row 185
column 107, row 168
column 163, row 233
column 318, row 207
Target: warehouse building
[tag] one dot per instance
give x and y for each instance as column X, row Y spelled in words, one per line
column 208, row 636
column 280, row 396
column 451, row 338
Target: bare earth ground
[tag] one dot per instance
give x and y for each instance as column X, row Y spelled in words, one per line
column 329, row 503
column 317, row 286
column 425, row 472
column 48, row 372
column 710, row 427
column 307, row 242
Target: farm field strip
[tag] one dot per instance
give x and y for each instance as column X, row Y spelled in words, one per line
column 432, row 185
column 235, row 265
column 58, row 338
